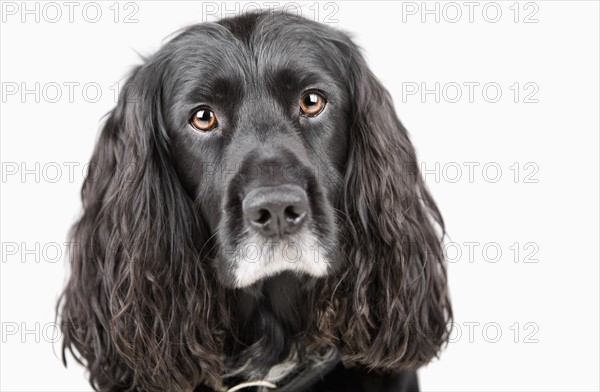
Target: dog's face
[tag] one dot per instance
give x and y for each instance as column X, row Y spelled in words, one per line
column 259, row 135
column 275, row 207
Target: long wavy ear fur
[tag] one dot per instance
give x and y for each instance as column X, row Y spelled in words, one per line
column 392, row 304
column 137, row 308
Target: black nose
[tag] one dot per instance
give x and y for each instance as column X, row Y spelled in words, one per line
column 276, row 210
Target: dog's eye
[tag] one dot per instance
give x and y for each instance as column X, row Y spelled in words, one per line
column 204, row 120
column 311, row 104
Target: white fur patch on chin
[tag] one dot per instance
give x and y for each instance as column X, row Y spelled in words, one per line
column 257, row 257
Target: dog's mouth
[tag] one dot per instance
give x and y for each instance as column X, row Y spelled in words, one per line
column 258, row 247
column 257, row 257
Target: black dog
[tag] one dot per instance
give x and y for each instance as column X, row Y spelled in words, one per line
column 255, row 217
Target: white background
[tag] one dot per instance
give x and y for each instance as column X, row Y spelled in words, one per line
column 546, row 310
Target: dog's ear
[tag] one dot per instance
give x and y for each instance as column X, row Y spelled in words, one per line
column 396, row 305
column 137, row 307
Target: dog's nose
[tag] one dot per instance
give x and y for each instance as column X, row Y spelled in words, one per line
column 276, row 210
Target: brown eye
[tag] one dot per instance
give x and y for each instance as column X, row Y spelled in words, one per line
column 204, row 120
column 311, row 104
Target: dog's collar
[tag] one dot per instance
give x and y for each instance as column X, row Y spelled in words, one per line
column 249, row 384
column 294, row 382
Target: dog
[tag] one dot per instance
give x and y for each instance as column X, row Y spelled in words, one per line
column 255, row 219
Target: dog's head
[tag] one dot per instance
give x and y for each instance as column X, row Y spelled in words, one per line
column 257, row 118
column 253, row 184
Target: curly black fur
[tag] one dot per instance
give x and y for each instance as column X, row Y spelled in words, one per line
column 149, row 305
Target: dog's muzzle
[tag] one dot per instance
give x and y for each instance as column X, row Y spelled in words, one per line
column 274, row 213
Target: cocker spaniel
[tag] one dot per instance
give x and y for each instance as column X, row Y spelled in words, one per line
column 254, row 219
